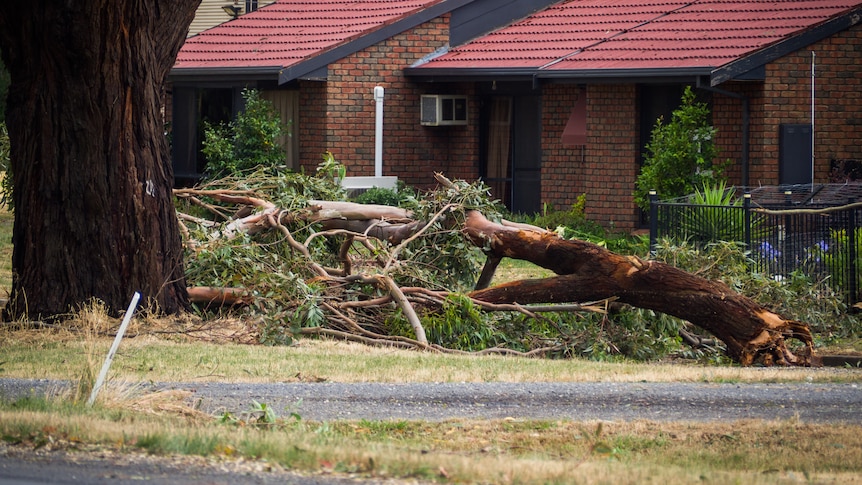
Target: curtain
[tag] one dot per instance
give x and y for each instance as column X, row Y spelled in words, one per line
column 499, row 147
column 286, row 103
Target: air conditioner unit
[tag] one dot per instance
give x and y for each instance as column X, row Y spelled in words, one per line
column 443, row 110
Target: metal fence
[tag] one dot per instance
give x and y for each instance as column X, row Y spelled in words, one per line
column 809, row 228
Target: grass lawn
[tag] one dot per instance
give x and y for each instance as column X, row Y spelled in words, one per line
column 499, row 451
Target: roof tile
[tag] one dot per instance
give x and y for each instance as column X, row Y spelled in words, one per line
column 570, row 35
column 288, row 31
column 625, row 34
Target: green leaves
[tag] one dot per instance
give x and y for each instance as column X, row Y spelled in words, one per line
column 247, row 142
column 680, row 154
column 286, row 295
column 718, row 215
column 461, row 325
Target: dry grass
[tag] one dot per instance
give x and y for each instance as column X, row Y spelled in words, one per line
column 187, row 350
column 128, row 417
column 499, row 451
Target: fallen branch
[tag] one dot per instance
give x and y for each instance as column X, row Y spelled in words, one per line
column 585, row 273
column 212, row 296
column 405, row 306
column 590, row 272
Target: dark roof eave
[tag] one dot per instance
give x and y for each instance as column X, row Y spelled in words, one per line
column 589, row 76
column 593, row 76
column 193, row 74
column 467, row 74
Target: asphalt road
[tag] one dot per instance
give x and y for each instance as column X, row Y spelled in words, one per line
column 822, row 403
column 808, row 402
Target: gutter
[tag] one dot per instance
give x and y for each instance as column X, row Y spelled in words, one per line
column 574, row 76
column 254, row 73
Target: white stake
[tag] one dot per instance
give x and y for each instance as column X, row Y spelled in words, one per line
column 110, row 357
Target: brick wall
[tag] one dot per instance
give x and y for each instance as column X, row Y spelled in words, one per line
column 838, row 93
column 345, row 126
column 727, row 119
column 562, row 165
column 311, row 128
column 606, row 168
column 785, row 97
column 610, row 167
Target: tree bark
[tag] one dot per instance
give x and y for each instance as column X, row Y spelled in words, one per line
column 589, row 272
column 94, row 213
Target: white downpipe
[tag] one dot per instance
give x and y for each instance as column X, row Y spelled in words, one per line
column 812, row 120
column 378, row 132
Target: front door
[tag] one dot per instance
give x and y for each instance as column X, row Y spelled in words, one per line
column 512, row 150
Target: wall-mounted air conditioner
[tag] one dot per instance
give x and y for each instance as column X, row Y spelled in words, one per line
column 443, row 110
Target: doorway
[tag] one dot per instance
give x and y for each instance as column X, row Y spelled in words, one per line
column 511, row 152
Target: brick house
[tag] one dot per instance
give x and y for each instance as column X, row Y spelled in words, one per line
column 544, row 100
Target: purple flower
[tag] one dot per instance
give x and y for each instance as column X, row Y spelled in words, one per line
column 768, row 251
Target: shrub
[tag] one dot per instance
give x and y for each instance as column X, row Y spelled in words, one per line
column 247, row 142
column 461, row 325
column 382, row 196
column 573, row 224
column 718, row 215
column 573, row 218
column 680, row 154
column 836, row 256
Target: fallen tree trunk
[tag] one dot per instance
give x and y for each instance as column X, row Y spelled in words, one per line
column 590, row 272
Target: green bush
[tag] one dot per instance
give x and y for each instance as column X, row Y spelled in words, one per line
column 712, row 219
column 247, row 142
column 573, row 218
column 836, row 256
column 573, row 224
column 680, row 154
column 461, row 325
column 382, row 196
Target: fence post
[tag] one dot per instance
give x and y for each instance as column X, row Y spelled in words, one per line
column 653, row 221
column 746, row 206
column 853, row 274
column 786, row 258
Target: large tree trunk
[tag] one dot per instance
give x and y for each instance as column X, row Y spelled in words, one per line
column 94, row 214
column 589, row 272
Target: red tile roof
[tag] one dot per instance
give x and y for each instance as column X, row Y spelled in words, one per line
column 289, row 31
column 624, row 34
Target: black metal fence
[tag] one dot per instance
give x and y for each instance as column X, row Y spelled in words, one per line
column 809, row 228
